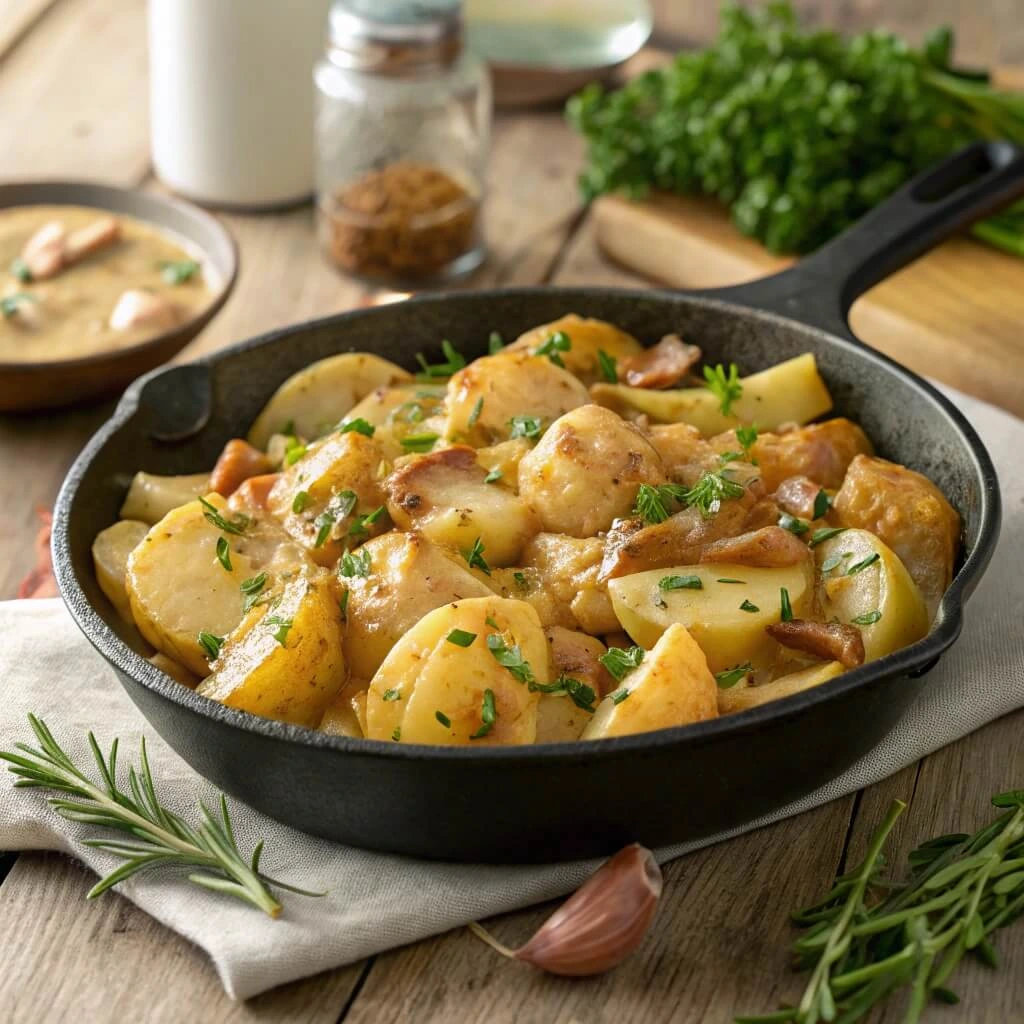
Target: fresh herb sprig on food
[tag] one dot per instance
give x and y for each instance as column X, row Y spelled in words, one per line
column 156, row 836
column 868, row 938
column 798, row 132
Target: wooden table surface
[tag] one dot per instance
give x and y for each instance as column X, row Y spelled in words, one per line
column 73, row 104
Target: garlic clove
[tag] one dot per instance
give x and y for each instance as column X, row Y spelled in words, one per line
column 603, row 921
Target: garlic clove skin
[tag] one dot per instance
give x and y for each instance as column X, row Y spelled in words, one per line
column 603, row 921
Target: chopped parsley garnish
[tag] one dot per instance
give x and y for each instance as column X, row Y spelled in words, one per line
column 787, row 608
column 390, row 695
column 822, row 503
column 211, row 644
column 293, row 451
column 20, row 270
column 867, row 619
column 251, row 589
column 454, row 361
column 553, row 344
column 708, row 493
column 410, row 412
column 749, row 606
column 443, row 719
column 652, row 501
column 525, row 426
column 728, row 457
column 9, row 303
column 178, row 271
column 339, row 507
column 833, row 561
column 824, row 534
column 608, row 367
column 727, row 579
column 461, row 637
column 360, row 529
column 730, row 677
column 863, row 564
column 619, row 695
column 493, row 476
column 510, row 658
column 495, row 343
column 620, row 661
column 725, row 386
column 583, row 696
column 475, row 557
column 490, row 622
column 288, row 428
column 343, row 605
column 280, row 633
column 358, row 426
column 396, row 733
column 794, row 525
column 212, row 515
column 300, row 501
column 419, row 442
column 474, row 414
column 746, row 437
column 680, row 583
column 355, row 564
column 224, row 553
column 521, row 581
column 488, row 716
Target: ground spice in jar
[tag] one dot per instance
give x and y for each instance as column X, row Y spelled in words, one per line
column 408, row 220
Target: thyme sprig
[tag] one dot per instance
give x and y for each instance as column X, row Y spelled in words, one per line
column 860, row 948
column 158, row 835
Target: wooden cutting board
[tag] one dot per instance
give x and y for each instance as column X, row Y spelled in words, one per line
column 957, row 314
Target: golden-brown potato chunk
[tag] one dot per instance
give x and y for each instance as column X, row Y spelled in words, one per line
column 110, row 552
column 322, row 497
column 566, row 570
column 445, row 495
column 285, row 661
column 503, row 459
column 485, row 397
column 563, row 716
column 397, row 412
column 821, row 451
column 587, row 337
column 585, row 471
column 151, row 497
column 684, row 453
column 409, row 577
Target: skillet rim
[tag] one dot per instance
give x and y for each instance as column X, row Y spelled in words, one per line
column 917, row 658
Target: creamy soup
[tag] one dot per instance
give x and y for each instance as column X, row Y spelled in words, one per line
column 78, row 305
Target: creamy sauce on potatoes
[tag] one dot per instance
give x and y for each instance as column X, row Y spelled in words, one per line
column 67, row 316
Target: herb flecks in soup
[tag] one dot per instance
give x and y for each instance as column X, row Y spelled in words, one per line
column 75, row 282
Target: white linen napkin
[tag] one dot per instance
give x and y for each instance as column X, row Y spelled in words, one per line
column 375, row 902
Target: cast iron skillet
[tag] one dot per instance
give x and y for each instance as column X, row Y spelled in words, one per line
column 558, row 801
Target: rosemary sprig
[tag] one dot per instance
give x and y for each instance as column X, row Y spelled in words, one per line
column 861, row 947
column 159, row 835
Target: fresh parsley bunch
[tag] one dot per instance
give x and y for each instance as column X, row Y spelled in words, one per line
column 798, row 132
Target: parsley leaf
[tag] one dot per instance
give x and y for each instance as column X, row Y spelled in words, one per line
column 443, row 719
column 619, row 696
column 621, row 661
column 608, row 366
column 557, row 342
column 867, row 619
column 726, row 387
column 280, row 634
column 224, row 553
column 211, row 644
column 749, row 606
column 474, row 414
column 212, row 515
column 493, row 476
column 680, row 583
column 824, row 534
column 390, row 695
column 746, row 437
column 358, row 426
column 525, row 426
column 20, row 269
column 794, row 525
column 822, row 503
column 708, row 493
column 787, row 608
column 178, row 271
column 495, row 343
column 251, row 589
column 475, row 557
column 300, row 501
column 863, row 564
column 510, row 658
column 488, row 716
column 357, row 564
column 339, row 507
column 454, row 361
column 730, row 677
column 461, row 637
column 419, row 442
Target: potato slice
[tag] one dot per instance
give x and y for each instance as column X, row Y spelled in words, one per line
column 397, row 412
column 409, row 577
column 484, row 397
column 285, row 661
column 431, row 689
column 177, row 672
column 310, row 500
column 446, row 497
column 672, row 686
column 863, row 582
column 739, row 698
column 342, row 715
column 151, row 497
column 311, row 401
column 726, row 619
column 791, row 392
column 586, row 470
column 561, row 718
column 504, row 458
column 586, row 338
column 177, row 587
column 110, row 552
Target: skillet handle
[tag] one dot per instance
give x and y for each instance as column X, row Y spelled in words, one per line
column 819, row 290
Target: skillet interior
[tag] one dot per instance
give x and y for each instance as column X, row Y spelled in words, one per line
column 542, row 802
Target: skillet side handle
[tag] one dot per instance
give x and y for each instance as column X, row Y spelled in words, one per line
column 943, row 200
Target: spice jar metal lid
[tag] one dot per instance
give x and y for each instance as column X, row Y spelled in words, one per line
column 394, row 36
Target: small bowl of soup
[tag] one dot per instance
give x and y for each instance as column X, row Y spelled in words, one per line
column 99, row 285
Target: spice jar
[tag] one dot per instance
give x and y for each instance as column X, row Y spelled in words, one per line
column 402, row 130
